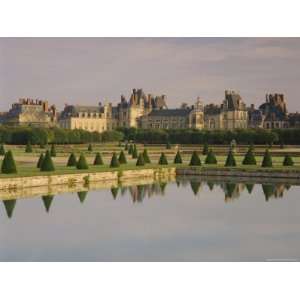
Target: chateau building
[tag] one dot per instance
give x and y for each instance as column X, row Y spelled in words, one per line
column 30, row 112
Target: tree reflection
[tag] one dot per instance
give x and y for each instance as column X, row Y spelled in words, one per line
column 195, row 185
column 47, row 200
column 82, row 195
column 9, row 206
column 114, row 192
column 249, row 187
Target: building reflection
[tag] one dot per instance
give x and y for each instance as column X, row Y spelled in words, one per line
column 137, row 193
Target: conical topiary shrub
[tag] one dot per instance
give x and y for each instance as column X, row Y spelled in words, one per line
column 267, row 160
column 205, row 149
column 163, row 159
column 28, row 148
column 140, row 161
column 40, row 161
column 177, row 158
column 146, row 157
column 122, row 158
column 211, row 158
column 47, row 164
column 2, row 150
column 126, row 147
column 130, row 149
column 134, row 152
column 195, row 159
column 230, row 161
column 53, row 151
column 168, row 145
column 114, row 163
column 72, row 161
column 82, row 163
column 249, row 158
column 8, row 164
column 90, row 148
column 98, row 161
column 288, row 161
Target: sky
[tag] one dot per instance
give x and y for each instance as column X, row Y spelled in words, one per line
column 89, row 70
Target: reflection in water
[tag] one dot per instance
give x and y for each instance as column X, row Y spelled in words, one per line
column 9, row 207
column 47, row 200
column 232, row 191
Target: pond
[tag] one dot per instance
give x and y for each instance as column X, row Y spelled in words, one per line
column 190, row 219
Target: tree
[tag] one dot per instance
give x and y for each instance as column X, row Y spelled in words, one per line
column 134, row 153
column 178, row 159
column 163, row 159
column 28, row 148
column 72, row 161
column 122, row 158
column 53, row 151
column 82, row 163
column 205, row 149
column 140, row 161
column 90, row 148
column 126, row 147
column 40, row 161
column 130, row 150
column 98, row 160
column 168, row 145
column 195, row 159
column 288, row 161
column 230, row 161
column 146, row 157
column 267, row 160
column 211, row 158
column 47, row 164
column 2, row 150
column 114, row 163
column 249, row 158
column 8, row 164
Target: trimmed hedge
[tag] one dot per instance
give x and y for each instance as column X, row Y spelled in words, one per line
column 47, row 164
column 205, row 149
column 163, row 159
column 140, row 161
column 90, row 148
column 53, row 151
column 146, row 157
column 211, row 158
column 177, row 158
column 122, row 158
column 249, row 158
column 114, row 163
column 2, row 150
column 134, row 152
column 267, row 160
column 72, row 161
column 8, row 164
column 195, row 159
column 40, row 161
column 28, row 148
column 82, row 163
column 230, row 160
column 288, row 161
column 98, row 161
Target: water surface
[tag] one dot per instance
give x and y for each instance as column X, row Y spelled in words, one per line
column 187, row 220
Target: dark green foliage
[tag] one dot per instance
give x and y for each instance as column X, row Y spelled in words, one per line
column 249, row 187
column 47, row 164
column 195, row 185
column 114, row 192
column 134, row 152
column 40, row 161
column 2, row 150
column 211, row 158
column 168, row 145
column 8, row 164
column 72, row 161
column 98, row 159
column 229, row 190
column 47, row 200
column 130, row 149
column 230, row 161
column 82, row 163
column 177, row 158
column 53, row 151
column 163, row 186
column 195, row 159
column 249, row 158
column 205, row 149
column 90, row 148
column 288, row 161
column 114, row 163
column 9, row 206
column 42, row 145
column 146, row 157
column 126, row 147
column 140, row 161
column 268, row 190
column 267, row 160
column 163, row 159
column 210, row 185
column 28, row 148
column 122, row 158
column 82, row 195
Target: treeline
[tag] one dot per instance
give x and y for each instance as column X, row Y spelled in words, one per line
column 37, row 136
column 219, row 137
